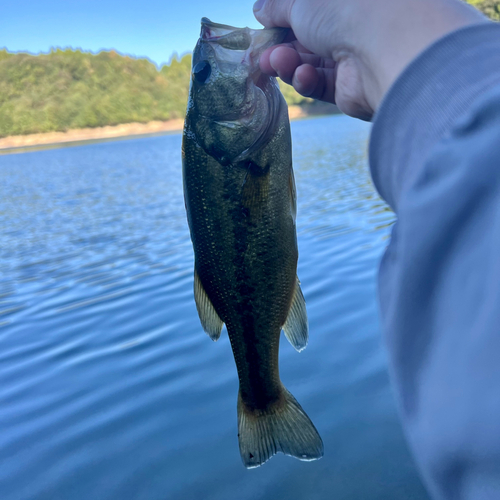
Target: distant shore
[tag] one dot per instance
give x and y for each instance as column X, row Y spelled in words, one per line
column 90, row 134
column 128, row 129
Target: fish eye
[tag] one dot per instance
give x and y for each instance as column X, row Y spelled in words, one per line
column 202, row 71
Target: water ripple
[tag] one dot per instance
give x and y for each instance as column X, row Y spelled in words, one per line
column 109, row 388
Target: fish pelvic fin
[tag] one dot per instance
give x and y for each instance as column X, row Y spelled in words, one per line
column 284, row 428
column 210, row 320
column 296, row 327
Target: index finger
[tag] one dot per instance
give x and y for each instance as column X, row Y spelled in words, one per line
column 280, row 60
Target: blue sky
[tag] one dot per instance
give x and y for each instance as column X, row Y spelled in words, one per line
column 147, row 28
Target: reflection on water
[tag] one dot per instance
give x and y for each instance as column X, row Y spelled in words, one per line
column 108, row 386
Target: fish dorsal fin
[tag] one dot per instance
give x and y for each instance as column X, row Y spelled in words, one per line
column 296, row 328
column 209, row 318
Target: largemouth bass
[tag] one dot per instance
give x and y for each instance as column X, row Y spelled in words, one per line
column 239, row 191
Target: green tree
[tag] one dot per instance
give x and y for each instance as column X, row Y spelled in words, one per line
column 73, row 89
column 489, row 7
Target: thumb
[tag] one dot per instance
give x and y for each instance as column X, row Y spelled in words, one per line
column 272, row 13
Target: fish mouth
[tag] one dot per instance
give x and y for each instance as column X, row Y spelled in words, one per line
column 206, row 21
column 242, row 46
column 215, row 32
column 219, row 33
column 207, row 24
column 260, row 108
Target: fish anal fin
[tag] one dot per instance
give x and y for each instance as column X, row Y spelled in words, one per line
column 296, row 327
column 210, row 320
column 283, row 428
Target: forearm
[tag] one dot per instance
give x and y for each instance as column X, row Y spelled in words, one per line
column 435, row 157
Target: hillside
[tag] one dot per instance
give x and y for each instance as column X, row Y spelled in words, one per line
column 73, row 89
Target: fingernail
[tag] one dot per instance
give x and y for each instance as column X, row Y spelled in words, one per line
column 258, row 5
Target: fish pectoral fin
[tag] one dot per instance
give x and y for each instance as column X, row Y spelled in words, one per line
column 296, row 328
column 285, row 428
column 210, row 320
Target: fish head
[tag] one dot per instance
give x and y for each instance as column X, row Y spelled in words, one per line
column 232, row 102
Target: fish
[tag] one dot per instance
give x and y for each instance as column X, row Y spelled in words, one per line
column 240, row 197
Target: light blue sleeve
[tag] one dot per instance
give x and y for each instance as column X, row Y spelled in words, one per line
column 435, row 157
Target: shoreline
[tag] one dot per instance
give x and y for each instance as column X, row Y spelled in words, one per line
column 20, row 143
column 15, row 142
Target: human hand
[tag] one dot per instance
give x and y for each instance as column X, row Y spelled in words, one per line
column 350, row 53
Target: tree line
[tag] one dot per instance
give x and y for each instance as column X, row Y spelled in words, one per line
column 68, row 89
column 74, row 89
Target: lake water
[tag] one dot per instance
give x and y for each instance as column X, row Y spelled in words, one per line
column 110, row 389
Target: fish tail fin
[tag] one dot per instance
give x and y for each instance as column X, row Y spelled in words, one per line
column 284, row 428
